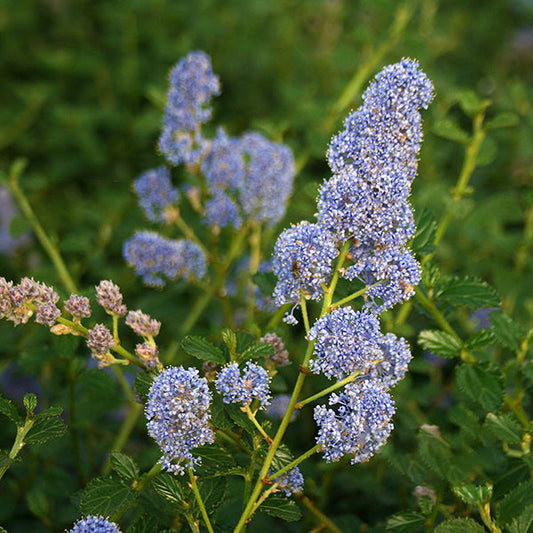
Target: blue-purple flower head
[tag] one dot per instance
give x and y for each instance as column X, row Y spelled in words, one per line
column 360, row 425
column 349, row 342
column 252, row 385
column 192, row 85
column 94, row 524
column 269, row 178
column 178, row 414
column 291, row 482
column 302, row 261
column 155, row 258
column 221, row 210
column 156, row 193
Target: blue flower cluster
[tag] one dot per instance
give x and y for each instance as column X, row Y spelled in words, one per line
column 178, row 414
column 241, row 179
column 253, row 385
column 291, row 482
column 155, row 258
column 94, row 524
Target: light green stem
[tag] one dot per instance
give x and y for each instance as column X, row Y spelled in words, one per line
column 251, row 416
column 22, row 431
column 332, row 388
column 296, row 462
column 351, row 297
column 198, row 496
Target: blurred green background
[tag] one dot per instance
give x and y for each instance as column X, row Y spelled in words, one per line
column 82, row 92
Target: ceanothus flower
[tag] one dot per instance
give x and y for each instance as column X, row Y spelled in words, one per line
column 154, row 258
column 155, row 193
column 94, row 524
column 178, row 414
column 360, row 425
column 221, row 210
column 348, row 341
column 291, row 482
column 302, row 261
column 253, row 385
column 192, row 84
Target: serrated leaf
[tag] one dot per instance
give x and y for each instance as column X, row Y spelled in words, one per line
column 7, row 408
column 515, row 502
column 124, row 466
column 214, row 459
column 144, row 524
column 448, row 129
column 430, row 275
column 244, row 340
column 460, row 525
column 439, row 343
column 473, row 494
column 505, row 330
column 105, row 496
column 170, row 487
column 504, row 427
column 142, row 383
column 281, row 508
column 436, row 452
column 282, row 457
column 410, row 468
column 503, row 120
column 202, row 349
column 240, row 418
column 483, row 384
column 46, row 429
column 264, row 349
column 524, row 523
column 30, row 402
column 470, row 292
column 230, row 339
column 407, row 522
column 218, row 413
column 426, row 225
column 50, row 411
column 480, row 339
column 466, row 420
column 212, row 491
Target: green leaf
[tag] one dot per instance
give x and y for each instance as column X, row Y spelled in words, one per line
column 50, row 411
column 480, row 339
column 470, row 292
column 214, row 459
column 65, row 345
column 38, row 502
column 505, row 330
column 218, row 413
column 30, row 402
column 515, row 502
column 105, row 496
column 460, row 525
column 473, row 494
column 487, row 152
column 439, row 343
column 46, row 429
column 406, row 522
column 483, row 384
column 436, row 452
column 230, row 339
column 170, row 487
column 430, row 275
column 264, row 349
column 524, row 523
column 7, row 408
column 213, row 492
column 202, row 349
column 124, row 466
column 426, row 225
column 240, row 418
column 282, row 457
column 504, row 427
column 448, row 129
column 244, row 340
column 470, row 102
column 281, row 508
column 503, row 120
column 143, row 381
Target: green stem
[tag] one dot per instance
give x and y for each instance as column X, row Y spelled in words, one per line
column 518, row 411
column 19, row 443
column 350, row 297
column 277, row 316
column 258, row 426
column 296, row 462
column 332, row 388
column 324, row 520
column 194, row 487
column 189, row 233
column 46, row 243
column 303, row 305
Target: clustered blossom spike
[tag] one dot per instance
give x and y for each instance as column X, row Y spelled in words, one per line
column 155, row 258
column 109, row 297
column 94, row 524
column 291, row 482
column 192, row 84
column 19, row 302
column 280, row 357
column 178, row 414
column 156, row 193
column 143, row 324
column 78, row 306
column 360, row 425
column 148, row 354
column 302, row 262
column 253, row 385
column 100, row 341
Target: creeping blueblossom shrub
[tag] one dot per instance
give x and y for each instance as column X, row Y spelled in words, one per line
column 302, row 262
column 291, row 482
column 178, row 414
column 156, row 258
column 253, row 385
column 360, row 425
column 94, row 524
column 192, row 84
column 156, row 194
